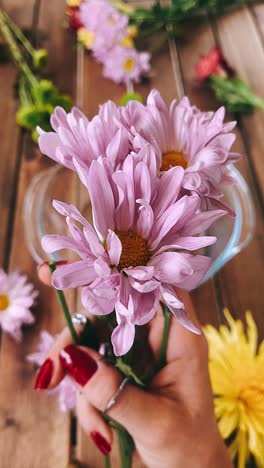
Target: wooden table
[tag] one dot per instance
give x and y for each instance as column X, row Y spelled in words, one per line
column 34, row 434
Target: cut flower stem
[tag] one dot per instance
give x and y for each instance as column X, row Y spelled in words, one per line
column 65, row 309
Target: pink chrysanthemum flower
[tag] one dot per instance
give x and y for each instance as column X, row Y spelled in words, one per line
column 75, row 137
column 66, row 390
column 140, row 247
column 125, row 64
column 17, row 296
column 183, row 136
column 105, row 24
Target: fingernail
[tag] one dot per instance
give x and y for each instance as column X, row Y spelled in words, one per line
column 101, row 443
column 44, row 375
column 78, row 364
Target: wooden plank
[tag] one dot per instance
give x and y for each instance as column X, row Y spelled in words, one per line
column 34, row 432
column 206, row 297
column 242, row 280
column 9, row 135
column 243, row 48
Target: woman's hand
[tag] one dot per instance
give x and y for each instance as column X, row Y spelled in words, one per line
column 173, row 423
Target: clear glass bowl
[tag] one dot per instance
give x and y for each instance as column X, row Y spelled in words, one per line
column 40, row 218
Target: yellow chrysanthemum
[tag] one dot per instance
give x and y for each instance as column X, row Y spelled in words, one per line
column 236, row 367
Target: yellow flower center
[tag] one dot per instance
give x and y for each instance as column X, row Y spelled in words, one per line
column 85, row 37
column 132, row 31
column 129, row 65
column 4, row 302
column 127, row 41
column 171, row 159
column 134, row 250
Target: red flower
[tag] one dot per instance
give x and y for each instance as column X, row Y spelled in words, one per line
column 74, row 17
column 210, row 64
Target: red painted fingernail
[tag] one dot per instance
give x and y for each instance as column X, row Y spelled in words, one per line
column 101, row 443
column 44, row 375
column 79, row 365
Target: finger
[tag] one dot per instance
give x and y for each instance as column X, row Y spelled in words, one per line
column 94, row 425
column 51, row 372
column 182, row 343
column 44, row 272
column 99, row 382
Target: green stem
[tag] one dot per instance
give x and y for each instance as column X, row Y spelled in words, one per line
column 15, row 51
column 18, row 33
column 65, row 309
column 162, row 357
column 107, row 462
column 126, row 443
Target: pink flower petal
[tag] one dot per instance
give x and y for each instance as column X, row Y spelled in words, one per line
column 201, row 222
column 170, row 297
column 73, row 275
column 102, row 199
column 123, row 338
column 168, row 189
column 189, row 243
column 140, row 273
column 171, row 267
column 114, row 247
column 200, row 265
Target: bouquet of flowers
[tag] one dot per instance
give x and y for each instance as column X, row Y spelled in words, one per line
column 155, row 177
column 106, row 32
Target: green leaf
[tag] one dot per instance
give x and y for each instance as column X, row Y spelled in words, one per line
column 40, row 58
column 30, row 116
column 235, row 94
column 130, row 97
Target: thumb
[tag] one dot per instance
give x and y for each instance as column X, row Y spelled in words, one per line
column 99, row 382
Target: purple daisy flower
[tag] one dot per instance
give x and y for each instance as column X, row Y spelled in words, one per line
column 183, row 136
column 66, row 390
column 125, row 64
column 140, row 246
column 75, row 137
column 106, row 24
column 17, row 296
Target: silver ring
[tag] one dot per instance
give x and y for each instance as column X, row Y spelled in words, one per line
column 114, row 398
column 79, row 318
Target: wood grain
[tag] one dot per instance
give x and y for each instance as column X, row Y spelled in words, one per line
column 242, row 279
column 34, row 432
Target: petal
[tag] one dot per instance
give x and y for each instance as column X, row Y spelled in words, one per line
column 181, row 316
column 96, row 304
column 140, row 273
column 170, row 297
column 144, row 287
column 114, row 247
column 124, row 213
column 123, row 338
column 145, row 220
column 171, row 267
column 189, row 243
column 201, row 222
column 168, row 189
column 102, row 199
column 200, row 265
column 167, row 221
column 102, row 268
column 73, row 275
column 66, row 209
